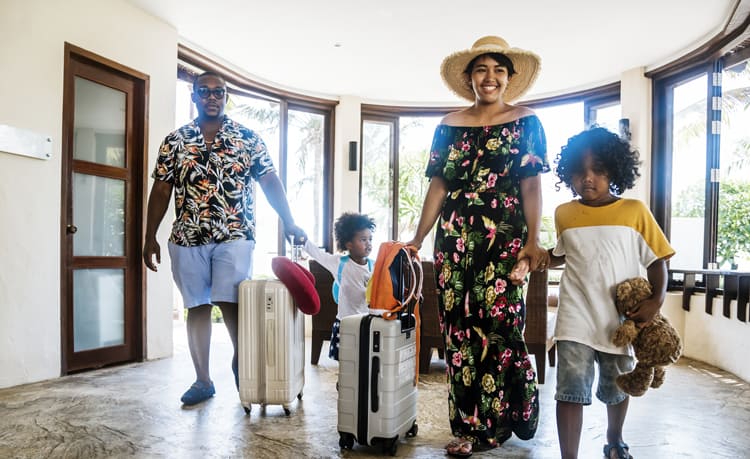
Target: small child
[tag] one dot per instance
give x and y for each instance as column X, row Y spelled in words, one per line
column 351, row 272
column 602, row 239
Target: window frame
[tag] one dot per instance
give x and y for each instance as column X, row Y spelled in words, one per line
column 729, row 47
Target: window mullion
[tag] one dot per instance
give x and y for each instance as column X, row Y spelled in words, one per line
column 713, row 142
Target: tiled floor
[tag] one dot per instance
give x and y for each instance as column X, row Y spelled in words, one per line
column 134, row 411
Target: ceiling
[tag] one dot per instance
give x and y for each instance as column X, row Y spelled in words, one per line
column 389, row 51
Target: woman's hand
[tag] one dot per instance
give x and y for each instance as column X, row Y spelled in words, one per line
column 415, row 243
column 538, row 256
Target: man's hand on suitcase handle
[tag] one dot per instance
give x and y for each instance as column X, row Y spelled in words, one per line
column 295, row 234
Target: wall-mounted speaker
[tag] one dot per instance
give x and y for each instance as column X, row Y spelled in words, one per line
column 352, row 156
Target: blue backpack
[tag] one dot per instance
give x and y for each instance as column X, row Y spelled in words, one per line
column 337, row 280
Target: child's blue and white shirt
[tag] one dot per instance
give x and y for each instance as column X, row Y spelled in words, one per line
column 352, row 279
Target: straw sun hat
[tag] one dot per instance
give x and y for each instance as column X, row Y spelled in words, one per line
column 525, row 63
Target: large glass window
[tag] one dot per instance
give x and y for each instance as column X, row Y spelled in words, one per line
column 381, row 170
column 704, row 150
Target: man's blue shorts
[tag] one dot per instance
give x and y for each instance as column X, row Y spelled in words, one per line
column 575, row 373
column 211, row 273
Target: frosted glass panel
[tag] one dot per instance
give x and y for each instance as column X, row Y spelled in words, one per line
column 98, row 308
column 99, row 127
column 99, row 215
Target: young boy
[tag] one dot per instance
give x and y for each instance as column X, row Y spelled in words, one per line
column 351, row 272
column 603, row 239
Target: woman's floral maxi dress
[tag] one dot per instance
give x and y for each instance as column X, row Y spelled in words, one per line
column 493, row 388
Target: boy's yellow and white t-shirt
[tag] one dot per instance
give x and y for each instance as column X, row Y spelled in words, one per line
column 603, row 246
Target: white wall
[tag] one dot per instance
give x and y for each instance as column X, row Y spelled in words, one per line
column 711, row 338
column 635, row 100
column 346, row 182
column 31, row 91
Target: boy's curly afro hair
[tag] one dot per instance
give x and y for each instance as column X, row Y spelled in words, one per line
column 609, row 150
column 348, row 225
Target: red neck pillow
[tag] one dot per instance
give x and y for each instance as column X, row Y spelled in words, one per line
column 300, row 282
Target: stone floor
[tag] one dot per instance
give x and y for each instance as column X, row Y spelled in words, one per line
column 134, row 411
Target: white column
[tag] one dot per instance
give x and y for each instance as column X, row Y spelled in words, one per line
column 635, row 99
column 346, row 182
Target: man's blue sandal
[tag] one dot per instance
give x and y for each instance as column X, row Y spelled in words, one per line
column 198, row 392
column 620, row 448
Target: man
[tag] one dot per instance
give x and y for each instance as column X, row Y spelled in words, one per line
column 211, row 163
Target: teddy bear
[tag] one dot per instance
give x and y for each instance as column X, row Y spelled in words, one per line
column 655, row 346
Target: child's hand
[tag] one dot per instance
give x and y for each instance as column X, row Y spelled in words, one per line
column 519, row 272
column 643, row 313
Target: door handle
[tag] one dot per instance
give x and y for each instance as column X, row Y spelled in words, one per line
column 71, row 229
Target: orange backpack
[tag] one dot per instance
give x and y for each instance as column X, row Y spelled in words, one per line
column 395, row 287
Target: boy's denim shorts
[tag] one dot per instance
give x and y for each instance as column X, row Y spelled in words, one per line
column 575, row 373
column 211, row 273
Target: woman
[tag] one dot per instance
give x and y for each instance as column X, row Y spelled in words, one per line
column 484, row 186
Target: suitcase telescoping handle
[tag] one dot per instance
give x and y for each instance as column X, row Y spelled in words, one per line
column 297, row 244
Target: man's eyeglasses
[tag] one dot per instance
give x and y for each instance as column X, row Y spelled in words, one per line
column 203, row 92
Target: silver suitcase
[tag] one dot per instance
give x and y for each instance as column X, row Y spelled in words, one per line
column 271, row 345
column 377, row 390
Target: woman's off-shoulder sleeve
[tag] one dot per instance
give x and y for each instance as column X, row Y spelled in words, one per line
column 438, row 152
column 533, row 148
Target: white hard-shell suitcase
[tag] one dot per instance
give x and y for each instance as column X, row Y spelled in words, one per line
column 271, row 345
column 377, row 388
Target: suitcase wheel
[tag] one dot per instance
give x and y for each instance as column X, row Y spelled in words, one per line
column 286, row 410
column 413, row 431
column 390, row 446
column 299, row 396
column 247, row 409
column 346, row 440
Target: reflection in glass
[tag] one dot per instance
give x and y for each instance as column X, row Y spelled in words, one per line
column 263, row 117
column 99, row 215
column 377, row 178
column 688, row 173
column 99, row 126
column 733, row 250
column 98, row 308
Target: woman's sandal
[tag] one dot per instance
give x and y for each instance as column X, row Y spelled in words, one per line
column 459, row 447
column 620, row 448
